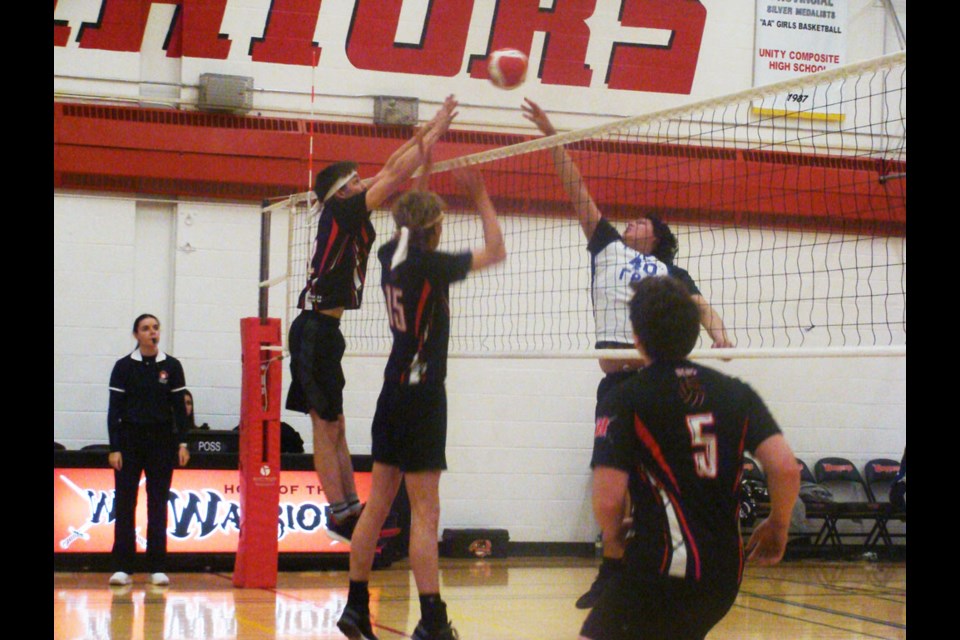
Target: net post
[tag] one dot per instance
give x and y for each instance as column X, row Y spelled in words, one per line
column 258, row 549
column 264, row 259
column 257, row 558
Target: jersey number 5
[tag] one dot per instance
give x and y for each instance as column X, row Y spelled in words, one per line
column 394, row 298
column 704, row 444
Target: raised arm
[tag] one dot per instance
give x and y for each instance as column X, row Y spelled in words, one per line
column 587, row 211
column 493, row 250
column 713, row 323
column 769, row 539
column 394, row 158
column 403, row 162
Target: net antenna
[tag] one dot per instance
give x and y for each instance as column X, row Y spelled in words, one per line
column 788, row 201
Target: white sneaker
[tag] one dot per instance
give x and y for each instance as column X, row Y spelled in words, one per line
column 121, row 579
column 159, row 579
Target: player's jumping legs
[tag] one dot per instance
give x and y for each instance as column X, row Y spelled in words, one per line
column 347, row 481
column 329, row 451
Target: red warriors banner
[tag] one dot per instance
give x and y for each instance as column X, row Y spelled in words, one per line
column 203, row 516
column 646, row 45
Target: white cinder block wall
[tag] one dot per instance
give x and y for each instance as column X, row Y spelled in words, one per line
column 520, row 430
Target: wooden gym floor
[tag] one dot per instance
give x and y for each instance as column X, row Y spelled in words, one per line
column 515, row 598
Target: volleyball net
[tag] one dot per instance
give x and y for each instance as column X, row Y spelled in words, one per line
column 788, row 201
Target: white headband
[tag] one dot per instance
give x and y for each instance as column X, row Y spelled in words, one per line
column 339, row 184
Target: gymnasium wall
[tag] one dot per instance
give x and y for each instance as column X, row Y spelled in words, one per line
column 520, row 430
column 326, row 59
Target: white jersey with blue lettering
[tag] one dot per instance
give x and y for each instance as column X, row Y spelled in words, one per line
column 613, row 267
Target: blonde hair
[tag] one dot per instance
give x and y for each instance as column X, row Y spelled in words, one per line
column 418, row 211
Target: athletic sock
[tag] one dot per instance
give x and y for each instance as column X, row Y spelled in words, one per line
column 339, row 510
column 358, row 597
column 433, row 611
column 353, row 503
column 610, row 566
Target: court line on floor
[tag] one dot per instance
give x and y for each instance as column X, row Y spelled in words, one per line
column 887, row 594
column 813, row 607
column 813, row 622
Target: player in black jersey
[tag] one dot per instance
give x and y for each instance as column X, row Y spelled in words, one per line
column 410, row 424
column 646, row 248
column 335, row 283
column 674, row 436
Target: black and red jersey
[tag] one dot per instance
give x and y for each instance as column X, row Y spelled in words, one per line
column 680, row 429
column 415, row 287
column 338, row 268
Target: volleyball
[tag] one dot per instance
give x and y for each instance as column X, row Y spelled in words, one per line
column 507, row 68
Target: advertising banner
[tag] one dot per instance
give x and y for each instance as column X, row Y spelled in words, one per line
column 203, row 516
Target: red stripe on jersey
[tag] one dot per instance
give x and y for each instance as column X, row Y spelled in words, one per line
column 334, row 231
column 420, row 307
column 647, row 439
column 651, row 444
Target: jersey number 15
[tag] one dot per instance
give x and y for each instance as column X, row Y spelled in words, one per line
column 394, row 298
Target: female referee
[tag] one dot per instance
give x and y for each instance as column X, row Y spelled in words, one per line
column 146, row 415
column 410, row 423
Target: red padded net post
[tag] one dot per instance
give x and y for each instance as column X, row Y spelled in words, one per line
column 260, row 394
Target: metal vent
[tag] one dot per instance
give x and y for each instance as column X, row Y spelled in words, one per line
column 395, row 110
column 225, row 93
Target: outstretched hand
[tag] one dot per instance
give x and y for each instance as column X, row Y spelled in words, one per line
column 767, row 543
column 536, row 115
column 470, row 181
column 445, row 114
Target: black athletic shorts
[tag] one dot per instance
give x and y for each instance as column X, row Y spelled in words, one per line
column 632, row 610
column 410, row 427
column 316, row 354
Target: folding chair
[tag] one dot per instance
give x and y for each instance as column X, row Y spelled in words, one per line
column 879, row 475
column 851, row 497
column 818, row 505
column 754, row 495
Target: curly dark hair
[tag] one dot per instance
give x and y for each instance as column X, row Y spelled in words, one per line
column 665, row 319
column 667, row 245
column 331, row 174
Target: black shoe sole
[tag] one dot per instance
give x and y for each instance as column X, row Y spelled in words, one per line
column 352, row 631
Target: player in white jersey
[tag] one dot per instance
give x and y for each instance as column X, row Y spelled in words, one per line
column 647, row 247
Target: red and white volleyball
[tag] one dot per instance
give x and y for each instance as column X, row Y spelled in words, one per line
column 507, row 68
